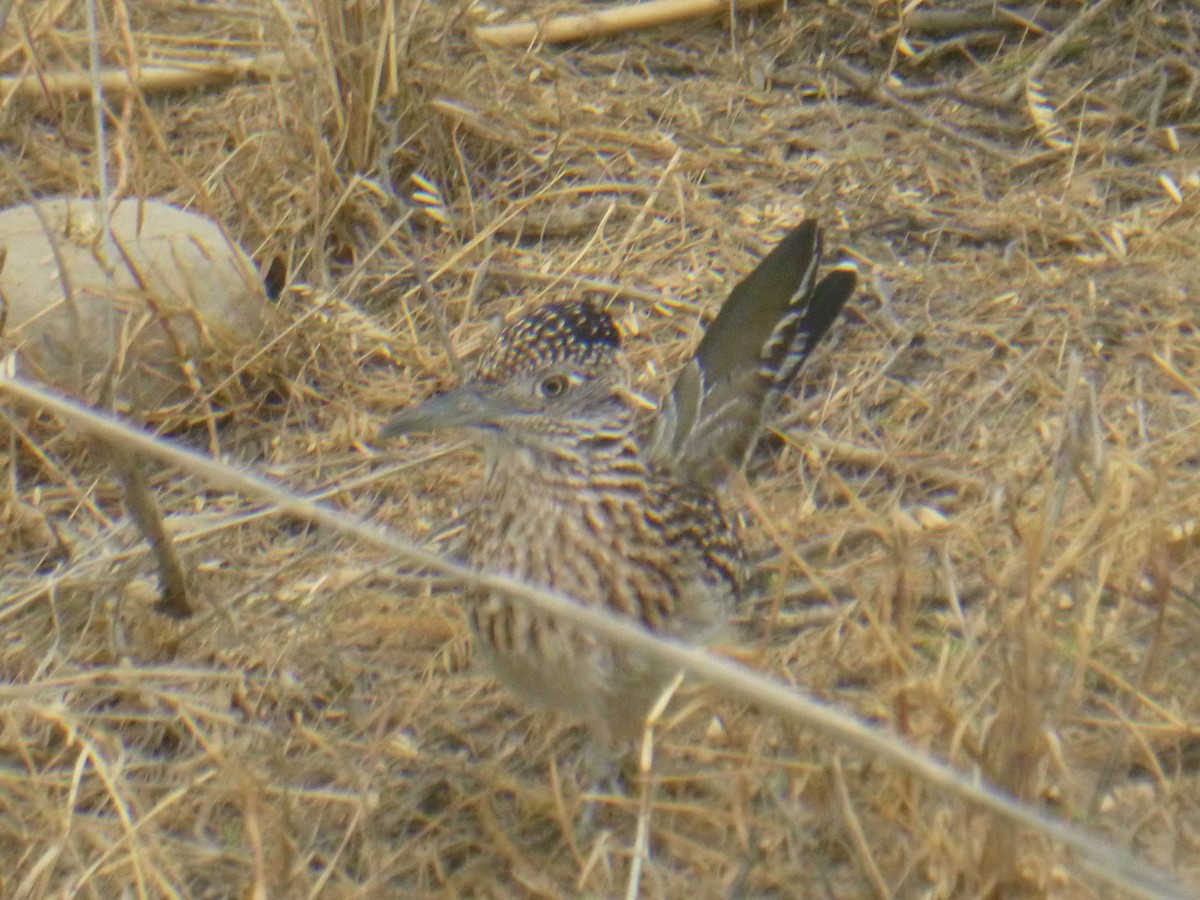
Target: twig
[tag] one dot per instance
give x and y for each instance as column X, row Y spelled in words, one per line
column 898, row 466
column 949, row 22
column 613, row 20
column 139, row 501
column 433, row 302
column 868, row 87
column 151, row 79
column 612, row 289
column 853, row 827
column 641, row 842
column 1052, row 49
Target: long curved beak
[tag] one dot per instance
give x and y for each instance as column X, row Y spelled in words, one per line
column 463, row 407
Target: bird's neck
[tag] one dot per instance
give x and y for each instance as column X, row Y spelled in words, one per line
column 600, row 458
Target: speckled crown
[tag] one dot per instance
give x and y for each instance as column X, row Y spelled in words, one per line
column 574, row 331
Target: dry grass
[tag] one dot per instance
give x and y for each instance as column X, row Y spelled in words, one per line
column 977, row 526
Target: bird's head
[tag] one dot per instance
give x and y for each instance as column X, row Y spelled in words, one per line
column 553, row 376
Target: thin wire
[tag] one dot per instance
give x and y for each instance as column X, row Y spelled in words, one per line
column 101, row 152
column 98, row 116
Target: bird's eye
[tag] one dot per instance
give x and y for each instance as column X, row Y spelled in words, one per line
column 554, row 385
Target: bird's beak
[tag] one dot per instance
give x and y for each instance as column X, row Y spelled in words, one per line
column 463, row 407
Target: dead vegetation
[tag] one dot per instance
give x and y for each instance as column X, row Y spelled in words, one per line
column 977, row 524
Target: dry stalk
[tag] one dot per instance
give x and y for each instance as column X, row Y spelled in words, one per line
column 613, row 20
column 157, row 79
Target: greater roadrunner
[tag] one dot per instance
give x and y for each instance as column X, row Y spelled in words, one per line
column 579, row 499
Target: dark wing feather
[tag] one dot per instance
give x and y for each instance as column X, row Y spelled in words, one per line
column 760, row 303
column 750, row 353
column 794, row 341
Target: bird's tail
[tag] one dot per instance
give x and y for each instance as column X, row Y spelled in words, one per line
column 750, row 353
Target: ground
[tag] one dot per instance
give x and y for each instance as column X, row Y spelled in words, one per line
column 975, row 519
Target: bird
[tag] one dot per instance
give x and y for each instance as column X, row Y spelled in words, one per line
column 584, row 497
